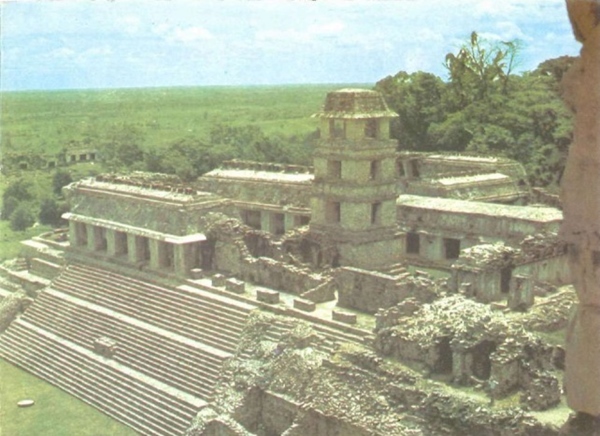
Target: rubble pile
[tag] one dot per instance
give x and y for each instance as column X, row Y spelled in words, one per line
column 541, row 246
column 10, row 307
column 283, row 384
column 306, row 248
column 542, row 393
column 250, row 255
column 472, row 343
column 552, row 313
column 486, row 256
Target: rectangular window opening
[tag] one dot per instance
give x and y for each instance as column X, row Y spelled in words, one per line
column 334, row 169
column 333, row 212
column 451, row 248
column 376, row 213
column 375, row 170
column 413, row 243
column 415, row 168
column 400, row 169
column 251, row 218
column 371, row 128
column 278, row 223
column 337, row 129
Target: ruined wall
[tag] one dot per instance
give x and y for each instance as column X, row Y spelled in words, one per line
column 317, row 423
column 369, row 290
column 554, row 270
column 231, row 254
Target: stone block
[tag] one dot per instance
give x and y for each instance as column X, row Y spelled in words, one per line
column 267, row 296
column 345, row 317
column 196, row 273
column 218, row 280
column 304, row 305
column 105, row 346
column 235, row 285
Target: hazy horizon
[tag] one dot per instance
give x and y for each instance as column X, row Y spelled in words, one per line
column 123, row 44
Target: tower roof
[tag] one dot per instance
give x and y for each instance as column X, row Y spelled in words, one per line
column 355, row 104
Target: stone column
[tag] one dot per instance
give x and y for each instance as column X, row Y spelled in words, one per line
column 111, row 242
column 183, row 258
column 74, row 235
column 265, row 221
column 580, row 195
column 121, row 246
column 288, row 222
column 132, row 251
column 156, row 252
column 432, row 246
column 92, row 237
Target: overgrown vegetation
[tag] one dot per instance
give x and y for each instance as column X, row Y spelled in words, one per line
column 486, row 108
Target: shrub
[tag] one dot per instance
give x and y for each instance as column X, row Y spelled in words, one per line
column 22, row 218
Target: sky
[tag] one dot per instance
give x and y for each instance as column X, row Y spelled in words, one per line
column 70, row 44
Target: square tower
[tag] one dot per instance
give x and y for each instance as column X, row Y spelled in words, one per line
column 354, row 192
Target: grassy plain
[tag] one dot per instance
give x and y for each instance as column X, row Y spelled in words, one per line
column 55, row 412
column 46, row 121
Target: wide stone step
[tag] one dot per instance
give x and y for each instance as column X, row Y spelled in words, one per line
column 143, row 386
column 93, row 324
column 144, row 302
column 178, row 302
column 225, row 305
column 107, row 405
column 69, row 371
column 157, row 366
column 174, row 322
column 44, row 268
column 160, row 338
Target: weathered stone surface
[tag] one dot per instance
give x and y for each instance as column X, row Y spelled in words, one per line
column 304, row 305
column 369, row 291
column 235, row 285
column 218, row 280
column 267, row 296
column 580, row 197
column 343, row 316
column 11, row 306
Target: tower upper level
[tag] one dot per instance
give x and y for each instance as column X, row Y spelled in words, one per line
column 355, row 114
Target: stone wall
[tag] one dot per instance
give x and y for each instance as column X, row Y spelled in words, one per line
column 231, row 254
column 369, row 291
column 459, row 218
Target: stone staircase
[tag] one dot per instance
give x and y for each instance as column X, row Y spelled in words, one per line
column 169, row 345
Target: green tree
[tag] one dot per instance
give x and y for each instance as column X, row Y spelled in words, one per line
column 51, row 212
column 60, row 179
column 20, row 190
column 9, row 204
column 22, row 217
column 479, row 69
column 417, row 99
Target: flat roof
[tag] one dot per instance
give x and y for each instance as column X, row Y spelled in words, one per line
column 263, row 176
column 447, row 205
column 465, row 158
column 192, row 196
column 448, row 181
